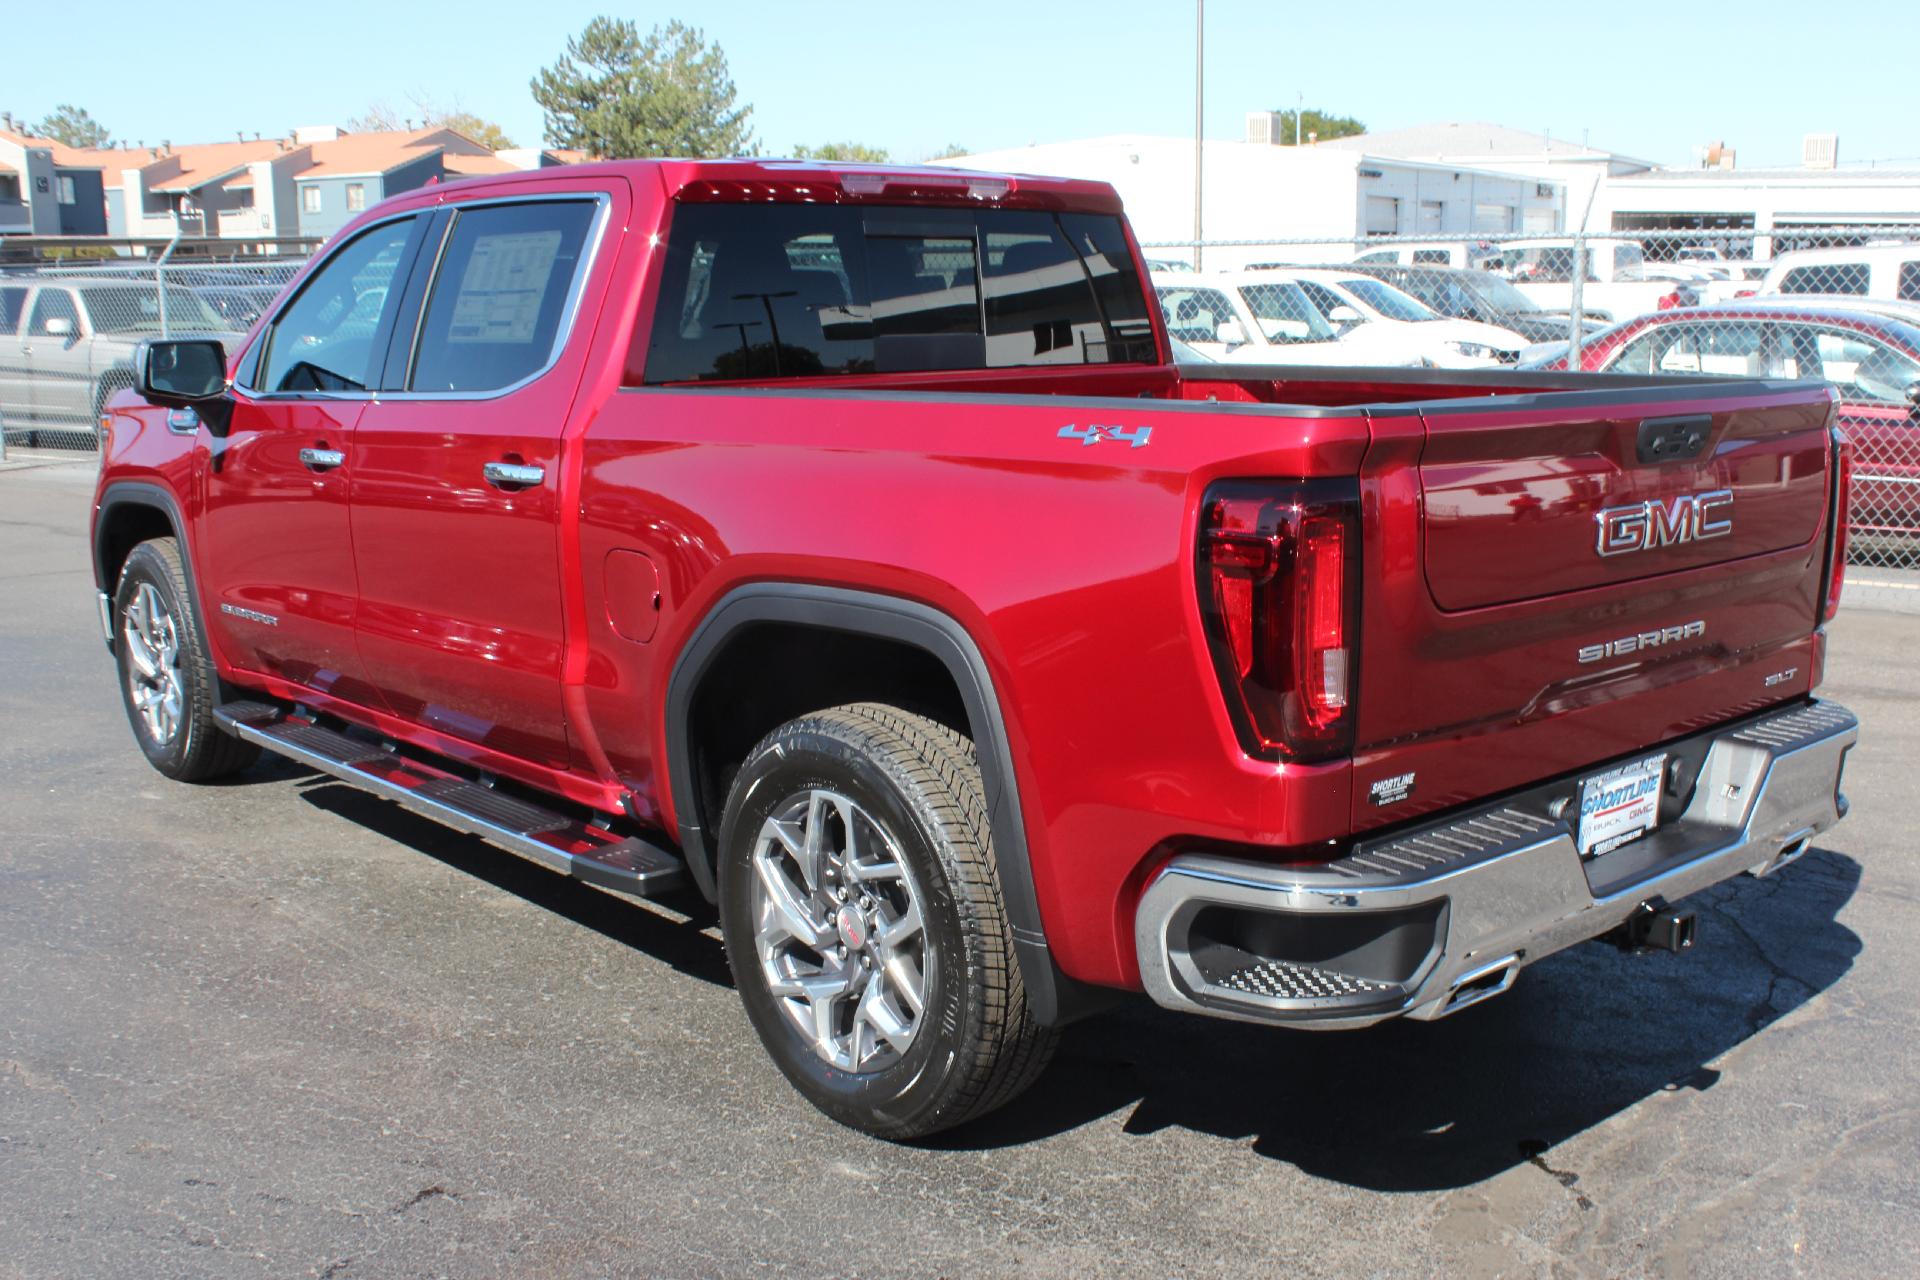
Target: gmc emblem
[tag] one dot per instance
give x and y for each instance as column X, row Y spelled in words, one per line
column 1692, row 517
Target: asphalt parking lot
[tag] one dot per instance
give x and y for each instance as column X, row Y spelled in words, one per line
column 276, row 1028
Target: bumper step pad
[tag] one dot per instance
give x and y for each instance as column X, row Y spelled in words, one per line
column 555, row 840
column 1281, row 980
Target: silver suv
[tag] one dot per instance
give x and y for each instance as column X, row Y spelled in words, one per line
column 66, row 346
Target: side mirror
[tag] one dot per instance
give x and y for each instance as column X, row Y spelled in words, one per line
column 1913, row 398
column 1230, row 332
column 59, row 327
column 1344, row 315
column 188, row 374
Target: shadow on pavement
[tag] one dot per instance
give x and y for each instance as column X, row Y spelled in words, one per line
column 1409, row 1106
column 680, row 943
column 1404, row 1106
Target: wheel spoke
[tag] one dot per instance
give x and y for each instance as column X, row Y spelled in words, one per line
column 789, row 910
column 892, row 934
column 141, row 654
column 876, row 1013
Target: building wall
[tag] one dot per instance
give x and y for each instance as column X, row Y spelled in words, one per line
column 1764, row 200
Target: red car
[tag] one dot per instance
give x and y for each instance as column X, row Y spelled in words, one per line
column 1871, row 357
column 843, row 545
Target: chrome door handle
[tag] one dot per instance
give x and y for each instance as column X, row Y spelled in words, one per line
column 512, row 475
column 322, row 459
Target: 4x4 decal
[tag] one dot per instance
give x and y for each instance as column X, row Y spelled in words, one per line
column 1095, row 434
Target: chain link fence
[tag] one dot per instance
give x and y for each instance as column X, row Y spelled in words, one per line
column 1839, row 304
column 68, row 333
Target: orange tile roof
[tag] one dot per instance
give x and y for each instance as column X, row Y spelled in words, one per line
column 210, row 162
column 361, row 153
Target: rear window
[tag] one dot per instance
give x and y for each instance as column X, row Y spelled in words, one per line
column 1431, row 257
column 1826, row 277
column 1910, row 281
column 779, row 291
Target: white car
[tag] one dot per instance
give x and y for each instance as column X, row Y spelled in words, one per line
column 1356, row 304
column 1867, row 271
column 1252, row 318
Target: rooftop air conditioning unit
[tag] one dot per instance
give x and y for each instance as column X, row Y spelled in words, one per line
column 1820, row 151
column 1263, row 128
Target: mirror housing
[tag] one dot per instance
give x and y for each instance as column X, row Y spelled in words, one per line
column 1230, row 332
column 1344, row 315
column 189, row 373
column 59, row 327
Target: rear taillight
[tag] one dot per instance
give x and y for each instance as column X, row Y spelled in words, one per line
column 1279, row 595
column 1842, row 516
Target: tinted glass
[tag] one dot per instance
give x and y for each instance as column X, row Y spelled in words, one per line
column 13, row 301
column 1910, row 281
column 1826, row 277
column 51, row 305
column 1438, row 257
column 499, row 295
column 324, row 340
column 769, row 291
column 1325, row 299
column 1387, row 300
column 1861, row 367
column 1734, row 349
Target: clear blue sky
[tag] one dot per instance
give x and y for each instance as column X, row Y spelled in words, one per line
column 1652, row 80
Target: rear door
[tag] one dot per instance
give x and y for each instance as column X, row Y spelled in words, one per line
column 458, row 471
column 1571, row 576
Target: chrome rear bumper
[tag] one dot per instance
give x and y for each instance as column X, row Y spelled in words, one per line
column 1430, row 920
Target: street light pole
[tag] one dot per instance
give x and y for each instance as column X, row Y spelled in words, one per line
column 1199, row 114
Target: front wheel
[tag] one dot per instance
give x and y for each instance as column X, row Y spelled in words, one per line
column 865, row 925
column 167, row 677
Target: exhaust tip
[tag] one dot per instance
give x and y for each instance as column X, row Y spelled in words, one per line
column 1481, row 984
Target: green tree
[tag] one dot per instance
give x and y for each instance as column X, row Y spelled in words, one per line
column 852, row 152
column 1319, row 124
column 949, row 151
column 74, row 127
column 616, row 94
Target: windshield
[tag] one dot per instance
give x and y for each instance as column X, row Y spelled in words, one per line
column 1285, row 314
column 1497, row 293
column 1387, row 300
column 136, row 309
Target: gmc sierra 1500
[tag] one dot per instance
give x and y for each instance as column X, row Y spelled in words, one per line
column 841, row 544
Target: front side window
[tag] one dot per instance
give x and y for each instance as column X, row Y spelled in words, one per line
column 1327, row 301
column 791, row 290
column 1826, row 277
column 324, row 339
column 499, row 295
column 356, row 197
column 1863, row 368
column 1387, row 300
column 54, row 315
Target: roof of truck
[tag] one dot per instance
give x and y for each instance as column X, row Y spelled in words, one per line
column 782, row 181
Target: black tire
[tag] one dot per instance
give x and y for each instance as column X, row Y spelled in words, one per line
column 198, row 750
column 976, row 1045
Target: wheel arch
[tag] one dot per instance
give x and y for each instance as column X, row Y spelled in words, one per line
column 945, row 643
column 131, row 512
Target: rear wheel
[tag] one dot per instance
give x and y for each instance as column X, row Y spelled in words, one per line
column 865, row 926
column 167, row 678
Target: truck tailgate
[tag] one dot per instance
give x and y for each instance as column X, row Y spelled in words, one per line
column 1562, row 579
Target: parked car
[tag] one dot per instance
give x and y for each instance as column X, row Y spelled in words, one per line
column 842, row 545
column 237, row 306
column 1353, row 300
column 1462, row 254
column 1871, row 357
column 1254, row 318
column 1871, row 271
column 67, row 344
column 1481, row 296
column 1618, row 279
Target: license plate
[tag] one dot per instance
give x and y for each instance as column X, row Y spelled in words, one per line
column 1620, row 805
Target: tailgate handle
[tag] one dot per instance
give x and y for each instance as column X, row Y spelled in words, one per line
column 1674, row 439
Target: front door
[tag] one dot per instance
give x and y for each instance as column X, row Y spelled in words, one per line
column 456, row 484
column 57, row 362
column 275, row 545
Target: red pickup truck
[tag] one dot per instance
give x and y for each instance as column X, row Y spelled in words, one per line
column 843, row 545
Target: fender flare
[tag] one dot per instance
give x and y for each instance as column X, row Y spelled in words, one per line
column 140, row 493
column 942, row 637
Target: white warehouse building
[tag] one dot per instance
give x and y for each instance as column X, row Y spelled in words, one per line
column 1257, row 191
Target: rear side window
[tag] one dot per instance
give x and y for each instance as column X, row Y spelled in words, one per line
column 13, row 302
column 1826, row 277
column 499, row 295
column 1431, row 257
column 777, row 291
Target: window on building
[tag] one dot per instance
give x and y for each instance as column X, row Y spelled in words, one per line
column 790, row 290
column 356, row 197
column 326, row 337
column 309, row 199
column 67, row 195
column 500, row 294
